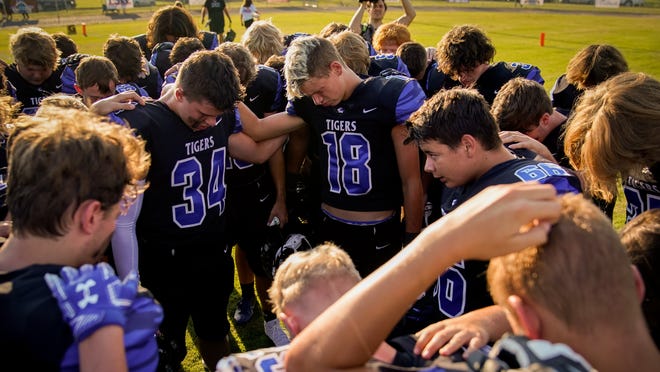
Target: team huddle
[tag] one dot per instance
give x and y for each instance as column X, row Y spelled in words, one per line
column 478, row 207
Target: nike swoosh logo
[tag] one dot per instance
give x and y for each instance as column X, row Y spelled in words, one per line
column 366, row 111
column 382, row 246
column 252, row 99
column 261, row 200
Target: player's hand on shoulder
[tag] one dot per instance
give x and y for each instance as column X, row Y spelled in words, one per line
column 92, row 297
column 449, row 336
column 517, row 140
column 120, row 101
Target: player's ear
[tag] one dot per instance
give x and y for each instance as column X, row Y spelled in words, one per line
column 526, row 320
column 88, row 214
column 469, row 143
column 178, row 94
column 640, row 287
column 290, row 322
column 545, row 119
column 77, row 88
column 336, row 67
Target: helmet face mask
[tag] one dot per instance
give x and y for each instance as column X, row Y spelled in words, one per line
column 275, row 251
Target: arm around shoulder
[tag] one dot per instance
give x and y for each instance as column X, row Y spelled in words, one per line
column 487, row 225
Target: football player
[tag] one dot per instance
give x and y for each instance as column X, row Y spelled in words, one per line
column 35, row 74
column 367, row 170
column 465, row 53
column 255, row 193
column 87, row 319
column 460, row 138
column 181, row 229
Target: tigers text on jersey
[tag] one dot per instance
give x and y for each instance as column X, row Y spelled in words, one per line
column 355, row 141
column 186, row 196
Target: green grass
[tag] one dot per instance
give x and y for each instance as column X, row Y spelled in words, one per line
column 515, row 33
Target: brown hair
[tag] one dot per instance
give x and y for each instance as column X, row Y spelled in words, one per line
column 46, row 182
column 614, row 131
column 581, row 274
column 414, row 56
column 34, row 46
column 449, row 115
column 95, row 70
column 595, row 64
column 126, row 55
column 171, row 21
column 243, row 60
column 220, row 86
column 520, row 104
column 463, row 48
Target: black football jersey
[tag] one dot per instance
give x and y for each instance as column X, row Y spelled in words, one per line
column 490, row 82
column 185, row 200
column 381, row 62
column 30, row 96
column 434, row 80
column 642, row 191
column 264, row 94
column 463, row 288
column 34, row 334
column 359, row 168
column 564, row 95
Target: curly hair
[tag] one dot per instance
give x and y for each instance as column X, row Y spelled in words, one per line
column 184, row 47
column 392, row 32
column 463, row 48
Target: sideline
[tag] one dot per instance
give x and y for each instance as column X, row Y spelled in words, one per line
column 132, row 14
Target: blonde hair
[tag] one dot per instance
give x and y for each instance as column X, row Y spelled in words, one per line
column 615, row 131
column 302, row 269
column 59, row 101
column 308, row 57
column 353, row 50
column 263, row 40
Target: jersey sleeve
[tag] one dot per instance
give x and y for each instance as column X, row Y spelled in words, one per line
column 411, row 98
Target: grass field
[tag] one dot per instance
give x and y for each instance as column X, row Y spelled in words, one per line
column 514, row 31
